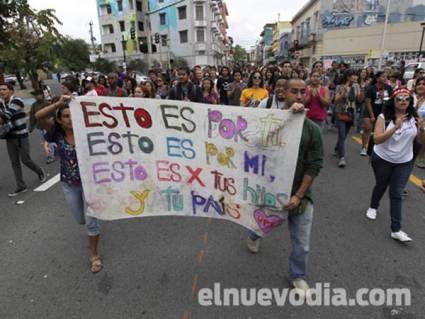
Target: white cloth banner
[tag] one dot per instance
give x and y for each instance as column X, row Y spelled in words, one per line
column 149, row 157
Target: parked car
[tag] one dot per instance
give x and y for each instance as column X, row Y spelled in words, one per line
column 141, row 78
column 410, row 70
column 9, row 78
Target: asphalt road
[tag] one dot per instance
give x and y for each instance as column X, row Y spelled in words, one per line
column 154, row 267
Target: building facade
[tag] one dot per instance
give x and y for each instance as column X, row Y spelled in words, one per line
column 352, row 31
column 195, row 30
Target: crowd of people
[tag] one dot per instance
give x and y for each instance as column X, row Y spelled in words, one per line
column 379, row 105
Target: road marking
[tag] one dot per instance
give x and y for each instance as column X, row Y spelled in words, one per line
column 413, row 179
column 205, row 237
column 194, row 284
column 44, row 187
column 201, row 256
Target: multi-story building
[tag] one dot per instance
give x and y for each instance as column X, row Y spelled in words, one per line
column 352, row 31
column 195, row 30
column 281, row 38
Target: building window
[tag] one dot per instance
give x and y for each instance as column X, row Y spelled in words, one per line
column 111, row 29
column 183, row 36
column 122, row 26
column 112, row 47
column 182, row 12
column 141, row 26
column 139, row 5
column 119, row 2
column 199, row 13
column 130, row 2
column 108, row 9
column 160, row 1
column 200, row 35
column 164, row 40
column 162, row 19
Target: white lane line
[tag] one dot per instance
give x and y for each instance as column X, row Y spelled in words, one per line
column 48, row 184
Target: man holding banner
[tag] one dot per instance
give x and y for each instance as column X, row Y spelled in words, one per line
column 300, row 206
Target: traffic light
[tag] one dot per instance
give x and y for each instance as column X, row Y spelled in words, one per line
column 156, row 38
column 133, row 33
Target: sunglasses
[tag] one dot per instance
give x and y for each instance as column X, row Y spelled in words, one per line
column 256, row 77
column 402, row 98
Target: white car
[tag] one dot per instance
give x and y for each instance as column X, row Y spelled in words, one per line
column 410, row 70
column 9, row 78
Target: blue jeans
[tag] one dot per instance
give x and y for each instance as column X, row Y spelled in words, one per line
column 74, row 197
column 396, row 176
column 343, row 130
column 300, row 230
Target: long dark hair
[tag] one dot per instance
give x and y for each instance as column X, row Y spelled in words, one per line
column 376, row 77
column 420, row 79
column 251, row 78
column 211, row 85
column 389, row 111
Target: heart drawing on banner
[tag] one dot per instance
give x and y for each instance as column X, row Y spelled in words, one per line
column 267, row 222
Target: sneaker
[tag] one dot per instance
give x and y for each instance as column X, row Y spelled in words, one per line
column 50, row 160
column 42, row 176
column 363, row 152
column 17, row 192
column 253, row 245
column 371, row 213
column 401, row 236
column 342, row 163
column 301, row 287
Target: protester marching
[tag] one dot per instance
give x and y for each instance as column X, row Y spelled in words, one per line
column 242, row 142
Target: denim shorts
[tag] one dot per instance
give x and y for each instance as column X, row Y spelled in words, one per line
column 74, row 197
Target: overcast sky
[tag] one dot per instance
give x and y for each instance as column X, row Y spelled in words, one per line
column 246, row 17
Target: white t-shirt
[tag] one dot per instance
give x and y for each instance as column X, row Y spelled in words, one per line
column 398, row 148
column 92, row 93
column 419, row 108
column 275, row 104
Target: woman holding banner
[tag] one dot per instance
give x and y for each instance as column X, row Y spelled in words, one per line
column 60, row 131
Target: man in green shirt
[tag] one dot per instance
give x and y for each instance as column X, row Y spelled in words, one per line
column 300, row 205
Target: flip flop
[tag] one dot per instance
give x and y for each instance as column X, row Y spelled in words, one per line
column 95, row 264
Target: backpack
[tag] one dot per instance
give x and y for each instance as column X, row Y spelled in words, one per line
column 269, row 102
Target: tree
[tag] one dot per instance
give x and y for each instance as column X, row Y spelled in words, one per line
column 180, row 62
column 27, row 38
column 239, row 55
column 103, row 66
column 138, row 65
column 73, row 54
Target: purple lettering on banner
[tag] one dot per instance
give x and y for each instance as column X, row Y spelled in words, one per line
column 213, row 116
column 267, row 222
column 197, row 200
column 118, row 172
column 140, row 173
column 97, row 171
column 241, row 125
column 227, row 129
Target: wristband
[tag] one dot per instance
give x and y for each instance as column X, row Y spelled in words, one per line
column 298, row 196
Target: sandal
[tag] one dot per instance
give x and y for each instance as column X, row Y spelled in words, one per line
column 95, row 264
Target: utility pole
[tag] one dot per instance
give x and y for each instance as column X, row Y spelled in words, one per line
column 123, row 42
column 147, row 21
column 422, row 41
column 92, row 38
column 384, row 35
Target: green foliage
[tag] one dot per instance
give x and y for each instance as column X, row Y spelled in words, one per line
column 29, row 38
column 138, row 65
column 180, row 62
column 103, row 66
column 73, row 54
column 239, row 55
